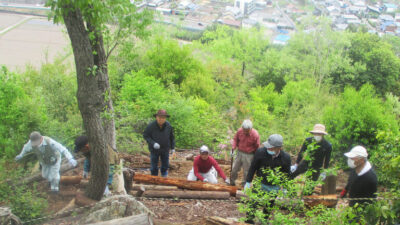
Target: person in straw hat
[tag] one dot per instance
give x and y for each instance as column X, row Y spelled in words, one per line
column 319, row 151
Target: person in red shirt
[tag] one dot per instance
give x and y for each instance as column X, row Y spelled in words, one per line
column 205, row 168
column 247, row 141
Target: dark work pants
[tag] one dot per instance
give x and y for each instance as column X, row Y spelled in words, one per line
column 154, row 157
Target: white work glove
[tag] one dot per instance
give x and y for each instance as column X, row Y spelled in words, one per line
column 227, row 181
column 173, row 151
column 293, row 168
column 107, row 191
column 73, row 162
column 156, row 146
column 205, row 180
column 247, row 185
column 322, row 176
column 85, row 174
column 18, row 157
column 232, row 152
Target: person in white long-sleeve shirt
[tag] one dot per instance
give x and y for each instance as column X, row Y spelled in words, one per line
column 49, row 152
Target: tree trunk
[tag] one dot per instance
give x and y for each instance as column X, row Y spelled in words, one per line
column 183, row 183
column 186, row 194
column 93, row 94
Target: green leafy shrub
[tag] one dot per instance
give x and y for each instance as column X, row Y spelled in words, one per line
column 19, row 114
column 195, row 121
column 357, row 118
column 24, row 201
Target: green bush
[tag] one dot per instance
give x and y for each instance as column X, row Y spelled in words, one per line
column 195, row 121
column 24, row 201
column 19, row 114
column 357, row 118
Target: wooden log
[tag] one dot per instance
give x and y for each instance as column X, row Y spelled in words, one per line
column 84, row 183
column 326, row 200
column 329, row 187
column 184, row 194
column 141, row 219
column 69, row 180
column 183, row 183
column 38, row 177
column 136, row 187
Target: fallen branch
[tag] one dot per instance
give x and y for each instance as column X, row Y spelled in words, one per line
column 183, row 183
column 215, row 220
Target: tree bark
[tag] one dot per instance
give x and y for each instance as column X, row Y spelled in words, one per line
column 186, row 194
column 183, row 183
column 93, row 94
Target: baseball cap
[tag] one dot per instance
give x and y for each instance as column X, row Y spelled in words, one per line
column 204, row 149
column 358, row 151
column 35, row 138
column 275, row 140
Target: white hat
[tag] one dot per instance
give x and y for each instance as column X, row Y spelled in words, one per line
column 358, row 151
column 319, row 129
column 247, row 124
column 204, row 149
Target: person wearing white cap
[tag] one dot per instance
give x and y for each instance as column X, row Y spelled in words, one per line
column 362, row 182
column 247, row 141
column 49, row 154
column 319, row 156
column 205, row 168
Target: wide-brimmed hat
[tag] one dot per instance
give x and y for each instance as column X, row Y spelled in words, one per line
column 319, row 129
column 161, row 112
column 358, row 151
column 36, row 138
column 275, row 140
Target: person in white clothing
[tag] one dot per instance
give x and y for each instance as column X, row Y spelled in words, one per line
column 49, row 152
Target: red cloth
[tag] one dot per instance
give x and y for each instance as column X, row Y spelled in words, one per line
column 203, row 166
column 246, row 143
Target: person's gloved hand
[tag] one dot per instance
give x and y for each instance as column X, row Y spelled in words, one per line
column 247, row 185
column 227, row 181
column 85, row 174
column 293, row 168
column 232, row 152
column 343, row 193
column 156, row 146
column 173, row 151
column 205, row 180
column 73, row 162
column 107, row 191
column 322, row 176
column 18, row 157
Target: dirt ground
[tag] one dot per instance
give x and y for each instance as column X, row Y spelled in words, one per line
column 167, row 211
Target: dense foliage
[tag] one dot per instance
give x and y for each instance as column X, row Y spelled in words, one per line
column 348, row 81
